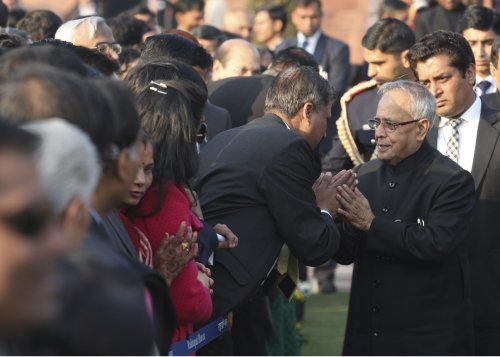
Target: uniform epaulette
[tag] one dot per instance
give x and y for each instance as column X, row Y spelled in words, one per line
column 343, row 130
column 358, row 88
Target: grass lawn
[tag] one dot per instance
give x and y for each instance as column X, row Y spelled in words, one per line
column 324, row 324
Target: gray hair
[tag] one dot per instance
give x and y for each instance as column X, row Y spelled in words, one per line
column 295, row 86
column 69, row 31
column 67, row 162
column 422, row 102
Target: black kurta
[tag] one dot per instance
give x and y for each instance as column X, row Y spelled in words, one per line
column 411, row 292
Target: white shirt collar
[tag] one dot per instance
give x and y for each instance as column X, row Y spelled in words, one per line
column 311, row 40
column 470, row 115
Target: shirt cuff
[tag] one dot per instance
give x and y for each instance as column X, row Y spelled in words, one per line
column 328, row 213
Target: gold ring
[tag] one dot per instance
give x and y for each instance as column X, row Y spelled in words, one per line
column 185, row 246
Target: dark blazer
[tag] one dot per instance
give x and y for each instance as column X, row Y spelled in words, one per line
column 117, row 236
column 217, row 119
column 332, row 55
column 437, row 18
column 257, row 179
column 410, row 292
column 243, row 97
column 99, row 244
column 492, row 100
column 484, row 242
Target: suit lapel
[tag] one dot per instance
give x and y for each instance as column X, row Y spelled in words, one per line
column 487, row 137
column 319, row 51
column 121, row 234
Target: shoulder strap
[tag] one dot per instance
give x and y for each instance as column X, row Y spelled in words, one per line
column 344, row 131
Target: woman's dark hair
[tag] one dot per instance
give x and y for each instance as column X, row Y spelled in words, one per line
column 141, row 75
column 170, row 109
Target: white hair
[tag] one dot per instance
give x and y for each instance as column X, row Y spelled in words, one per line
column 67, row 162
column 70, row 30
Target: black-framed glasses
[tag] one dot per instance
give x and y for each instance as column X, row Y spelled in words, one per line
column 201, row 134
column 388, row 125
column 104, row 47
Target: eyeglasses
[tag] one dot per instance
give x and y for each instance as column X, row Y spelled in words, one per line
column 31, row 220
column 104, row 47
column 201, row 134
column 388, row 125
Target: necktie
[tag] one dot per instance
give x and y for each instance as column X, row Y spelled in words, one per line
column 305, row 44
column 452, row 147
column 483, row 86
column 288, row 272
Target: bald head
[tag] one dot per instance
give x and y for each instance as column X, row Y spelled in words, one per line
column 236, row 57
column 238, row 22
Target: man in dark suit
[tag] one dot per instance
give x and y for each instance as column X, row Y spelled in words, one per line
column 444, row 16
column 331, row 53
column 258, row 179
column 481, row 26
column 492, row 100
column 411, row 289
column 469, row 132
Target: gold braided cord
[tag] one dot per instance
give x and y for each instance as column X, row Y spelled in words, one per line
column 344, row 132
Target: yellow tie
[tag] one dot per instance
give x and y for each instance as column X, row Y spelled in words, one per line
column 288, row 272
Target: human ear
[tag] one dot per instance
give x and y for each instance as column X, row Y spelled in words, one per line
column 423, row 126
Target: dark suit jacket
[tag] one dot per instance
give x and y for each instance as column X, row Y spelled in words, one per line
column 437, row 18
column 258, row 180
column 117, row 236
column 332, row 55
column 217, row 119
column 112, row 251
column 243, row 97
column 492, row 100
column 484, row 242
column 410, row 293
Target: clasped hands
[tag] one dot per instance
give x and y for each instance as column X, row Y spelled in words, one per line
column 339, row 195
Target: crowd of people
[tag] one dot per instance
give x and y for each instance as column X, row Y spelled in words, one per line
column 158, row 174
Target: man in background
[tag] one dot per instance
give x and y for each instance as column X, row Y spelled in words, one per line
column 481, row 26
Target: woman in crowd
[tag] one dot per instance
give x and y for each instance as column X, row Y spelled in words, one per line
column 171, row 112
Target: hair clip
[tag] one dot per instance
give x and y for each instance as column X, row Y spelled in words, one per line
column 155, row 89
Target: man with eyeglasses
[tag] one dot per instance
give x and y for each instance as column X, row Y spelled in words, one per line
column 91, row 32
column 405, row 227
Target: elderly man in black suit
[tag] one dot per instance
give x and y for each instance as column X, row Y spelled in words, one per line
column 469, row 132
column 331, row 53
column 411, row 290
column 258, row 179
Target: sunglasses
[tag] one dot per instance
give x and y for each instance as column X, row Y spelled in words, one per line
column 31, row 220
column 202, row 133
